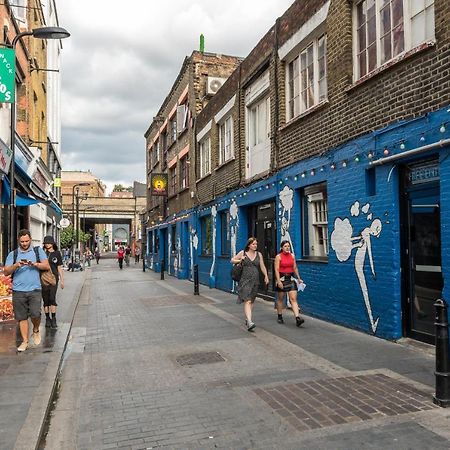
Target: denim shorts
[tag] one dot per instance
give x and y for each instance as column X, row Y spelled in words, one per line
column 27, row 304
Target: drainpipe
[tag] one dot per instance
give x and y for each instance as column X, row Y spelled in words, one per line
column 276, row 97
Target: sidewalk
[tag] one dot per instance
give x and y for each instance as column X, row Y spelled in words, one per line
column 153, row 366
column 27, row 380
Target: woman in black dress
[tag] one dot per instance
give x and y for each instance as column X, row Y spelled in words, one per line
column 252, row 263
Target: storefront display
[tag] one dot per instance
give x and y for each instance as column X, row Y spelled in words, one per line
column 6, row 308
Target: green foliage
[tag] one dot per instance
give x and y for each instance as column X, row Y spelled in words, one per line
column 122, row 188
column 68, row 236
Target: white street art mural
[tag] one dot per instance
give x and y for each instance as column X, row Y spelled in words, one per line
column 343, row 243
column 234, row 225
column 193, row 244
column 178, row 260
column 214, row 220
column 286, row 204
column 169, row 248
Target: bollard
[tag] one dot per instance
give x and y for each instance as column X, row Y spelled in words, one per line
column 196, row 291
column 442, row 373
column 162, row 269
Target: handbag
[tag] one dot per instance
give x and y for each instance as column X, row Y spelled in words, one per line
column 236, row 272
column 48, row 278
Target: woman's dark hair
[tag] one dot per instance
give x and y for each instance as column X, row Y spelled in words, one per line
column 284, row 243
column 55, row 248
column 249, row 242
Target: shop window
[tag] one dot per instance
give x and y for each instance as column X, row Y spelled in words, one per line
column 225, row 235
column 315, row 222
column 307, row 78
column 206, row 235
column 173, row 237
column 384, row 29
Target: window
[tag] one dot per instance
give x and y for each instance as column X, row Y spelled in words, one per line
column 173, row 238
column 206, row 236
column 386, row 28
column 184, row 173
column 163, row 147
column 173, row 180
column 20, row 10
column 182, row 117
column 205, row 157
column 307, row 78
column 226, row 140
column 315, row 221
column 225, row 236
column 155, row 153
column 172, row 131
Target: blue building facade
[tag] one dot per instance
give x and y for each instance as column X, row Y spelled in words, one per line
column 372, row 186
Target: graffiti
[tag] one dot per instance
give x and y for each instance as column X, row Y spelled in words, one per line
column 169, row 251
column 286, row 204
column 214, row 220
column 234, row 225
column 193, row 244
column 343, row 243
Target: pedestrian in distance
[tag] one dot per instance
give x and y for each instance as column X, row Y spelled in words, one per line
column 285, row 271
column 88, row 256
column 49, row 292
column 23, row 266
column 137, row 254
column 120, row 256
column 97, row 254
column 127, row 255
column 252, row 263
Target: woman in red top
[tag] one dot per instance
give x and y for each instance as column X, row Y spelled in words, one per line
column 285, row 269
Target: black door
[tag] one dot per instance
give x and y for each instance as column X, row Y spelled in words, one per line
column 263, row 226
column 422, row 258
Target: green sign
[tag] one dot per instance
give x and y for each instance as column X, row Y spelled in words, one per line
column 7, row 75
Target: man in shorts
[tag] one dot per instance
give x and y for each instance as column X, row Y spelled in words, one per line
column 22, row 265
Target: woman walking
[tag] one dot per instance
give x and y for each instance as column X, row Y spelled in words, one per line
column 49, row 292
column 285, row 269
column 252, row 263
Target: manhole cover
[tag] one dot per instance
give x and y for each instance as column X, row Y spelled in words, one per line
column 199, row 358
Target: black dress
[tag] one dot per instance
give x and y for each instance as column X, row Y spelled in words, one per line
column 249, row 283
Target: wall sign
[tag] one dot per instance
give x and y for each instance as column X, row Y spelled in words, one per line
column 159, row 183
column 424, row 173
column 7, row 75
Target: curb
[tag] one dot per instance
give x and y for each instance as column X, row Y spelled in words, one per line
column 32, row 430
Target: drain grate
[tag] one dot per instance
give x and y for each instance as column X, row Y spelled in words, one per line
column 200, row 358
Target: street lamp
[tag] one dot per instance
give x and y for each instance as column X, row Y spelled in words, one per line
column 75, row 216
column 39, row 33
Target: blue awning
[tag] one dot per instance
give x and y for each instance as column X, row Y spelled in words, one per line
column 21, row 199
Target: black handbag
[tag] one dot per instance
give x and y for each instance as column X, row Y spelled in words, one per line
column 236, row 272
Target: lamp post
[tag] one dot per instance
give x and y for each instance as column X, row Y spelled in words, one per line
column 75, row 187
column 39, row 33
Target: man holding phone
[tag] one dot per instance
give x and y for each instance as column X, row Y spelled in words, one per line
column 22, row 265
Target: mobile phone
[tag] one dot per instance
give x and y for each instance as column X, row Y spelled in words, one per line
column 24, row 260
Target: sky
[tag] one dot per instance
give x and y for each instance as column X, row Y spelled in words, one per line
column 121, row 61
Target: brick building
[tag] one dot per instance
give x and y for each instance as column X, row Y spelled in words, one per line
column 334, row 134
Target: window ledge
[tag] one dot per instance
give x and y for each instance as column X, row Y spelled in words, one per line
column 172, row 195
column 398, row 59
column 183, row 189
column 306, row 113
column 225, row 163
column 203, row 177
column 182, row 132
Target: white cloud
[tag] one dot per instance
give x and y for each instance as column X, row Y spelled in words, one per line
column 121, row 61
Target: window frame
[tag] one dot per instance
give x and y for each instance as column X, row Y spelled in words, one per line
column 206, row 224
column 205, row 165
column 315, row 233
column 297, row 92
column 184, row 173
column 224, row 133
column 173, row 180
column 225, row 233
column 407, row 34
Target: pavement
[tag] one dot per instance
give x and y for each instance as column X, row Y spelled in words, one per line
column 141, row 363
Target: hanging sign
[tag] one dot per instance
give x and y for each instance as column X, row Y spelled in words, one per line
column 7, row 75
column 159, row 183
column 57, row 182
column 64, row 222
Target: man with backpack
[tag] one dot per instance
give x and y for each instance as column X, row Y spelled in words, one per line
column 24, row 265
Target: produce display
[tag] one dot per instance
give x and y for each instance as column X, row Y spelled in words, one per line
column 6, row 309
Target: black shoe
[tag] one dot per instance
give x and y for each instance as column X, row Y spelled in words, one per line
column 54, row 325
column 48, row 322
column 280, row 319
column 299, row 321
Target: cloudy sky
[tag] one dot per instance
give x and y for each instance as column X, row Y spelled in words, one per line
column 121, row 60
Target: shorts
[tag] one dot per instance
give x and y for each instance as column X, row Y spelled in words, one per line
column 49, row 295
column 27, row 304
column 289, row 283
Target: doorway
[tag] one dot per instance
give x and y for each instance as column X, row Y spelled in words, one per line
column 421, row 229
column 262, row 225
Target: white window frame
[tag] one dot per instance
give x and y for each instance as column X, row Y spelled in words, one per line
column 184, row 173
column 411, row 19
column 20, row 11
column 303, row 76
column 204, row 147
column 226, row 144
column 315, row 222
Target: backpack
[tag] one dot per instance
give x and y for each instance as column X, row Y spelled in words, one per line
column 36, row 252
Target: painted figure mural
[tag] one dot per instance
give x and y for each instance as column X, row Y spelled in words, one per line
column 214, row 225
column 285, row 207
column 343, row 243
column 193, row 244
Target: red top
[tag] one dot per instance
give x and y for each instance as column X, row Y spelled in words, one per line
column 286, row 263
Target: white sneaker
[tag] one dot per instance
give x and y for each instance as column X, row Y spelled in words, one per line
column 36, row 337
column 250, row 326
column 23, row 346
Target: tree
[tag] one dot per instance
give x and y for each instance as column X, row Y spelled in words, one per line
column 68, row 236
column 118, row 188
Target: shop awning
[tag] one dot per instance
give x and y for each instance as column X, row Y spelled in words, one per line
column 21, row 199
